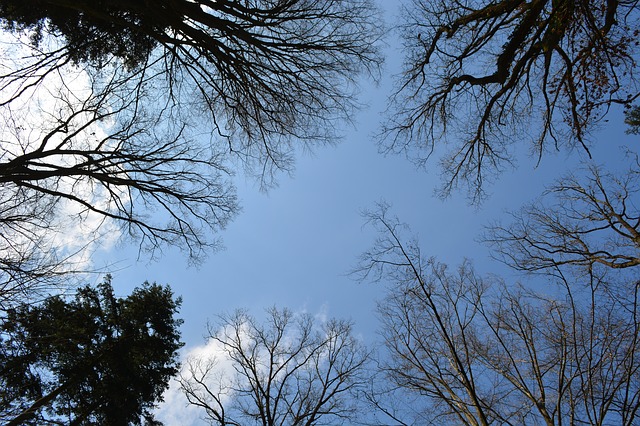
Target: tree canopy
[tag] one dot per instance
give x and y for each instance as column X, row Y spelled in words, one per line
column 131, row 116
column 127, row 120
column 586, row 220
column 487, row 76
column 475, row 350
column 632, row 119
column 94, row 359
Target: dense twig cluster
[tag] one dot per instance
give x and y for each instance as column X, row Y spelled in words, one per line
column 477, row 351
column 487, row 75
column 289, row 370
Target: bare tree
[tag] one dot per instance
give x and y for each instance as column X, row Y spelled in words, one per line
column 479, row 74
column 268, row 74
column 289, row 371
column 128, row 117
column 479, row 352
column 581, row 221
column 101, row 162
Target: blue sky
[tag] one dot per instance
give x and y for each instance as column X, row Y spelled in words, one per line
column 294, row 245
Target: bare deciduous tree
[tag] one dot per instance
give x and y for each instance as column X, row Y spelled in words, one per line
column 267, row 74
column 288, row 371
column 133, row 115
column 102, row 162
column 479, row 352
column 478, row 74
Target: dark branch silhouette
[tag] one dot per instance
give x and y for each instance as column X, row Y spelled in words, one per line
column 289, row 370
column 483, row 78
column 473, row 350
column 584, row 222
column 131, row 115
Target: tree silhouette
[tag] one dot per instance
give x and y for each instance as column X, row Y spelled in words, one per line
column 287, row 371
column 130, row 117
column 588, row 222
column 94, row 359
column 489, row 75
column 473, row 350
column 632, row 119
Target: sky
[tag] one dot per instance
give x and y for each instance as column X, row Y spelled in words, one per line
column 294, row 245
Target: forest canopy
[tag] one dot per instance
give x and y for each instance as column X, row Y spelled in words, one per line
column 127, row 122
column 92, row 359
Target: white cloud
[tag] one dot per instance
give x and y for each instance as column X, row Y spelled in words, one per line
column 175, row 409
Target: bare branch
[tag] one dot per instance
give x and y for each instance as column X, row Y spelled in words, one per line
column 482, row 75
column 472, row 350
column 289, row 371
column 132, row 116
column 581, row 224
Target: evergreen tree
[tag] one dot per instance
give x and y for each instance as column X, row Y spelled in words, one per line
column 632, row 119
column 96, row 359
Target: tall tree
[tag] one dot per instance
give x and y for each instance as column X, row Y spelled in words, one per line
column 288, row 371
column 96, row 359
column 485, row 75
column 135, row 113
column 472, row 350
